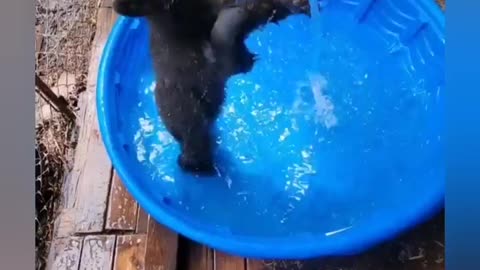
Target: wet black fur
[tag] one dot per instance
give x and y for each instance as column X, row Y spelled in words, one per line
column 192, row 64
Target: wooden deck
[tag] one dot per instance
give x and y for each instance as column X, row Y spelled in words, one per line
column 101, row 226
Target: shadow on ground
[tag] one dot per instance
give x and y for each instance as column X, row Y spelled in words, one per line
column 419, row 248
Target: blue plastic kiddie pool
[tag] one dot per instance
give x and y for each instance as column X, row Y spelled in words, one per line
column 332, row 143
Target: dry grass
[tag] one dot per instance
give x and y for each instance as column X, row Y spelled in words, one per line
column 421, row 248
column 67, row 27
column 64, row 33
column 55, row 146
column 284, row 265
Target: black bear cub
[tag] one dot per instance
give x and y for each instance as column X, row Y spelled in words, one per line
column 195, row 48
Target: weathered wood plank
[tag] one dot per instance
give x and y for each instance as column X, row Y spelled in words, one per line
column 255, row 265
column 142, row 221
column 88, row 185
column 65, row 254
column 225, row 261
column 162, row 243
column 199, row 257
column 130, row 252
column 65, row 223
column 106, row 3
column 97, row 253
column 162, row 247
column 156, row 249
column 122, row 208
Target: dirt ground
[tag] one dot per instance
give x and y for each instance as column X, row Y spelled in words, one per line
column 421, row 248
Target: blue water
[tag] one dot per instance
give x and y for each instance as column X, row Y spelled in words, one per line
column 338, row 127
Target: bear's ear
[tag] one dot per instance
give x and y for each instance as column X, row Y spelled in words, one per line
column 132, row 8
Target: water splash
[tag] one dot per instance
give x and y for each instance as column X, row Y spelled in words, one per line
column 323, row 104
column 291, row 157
